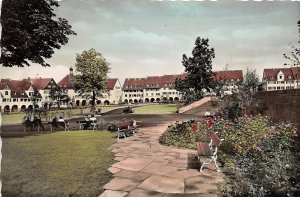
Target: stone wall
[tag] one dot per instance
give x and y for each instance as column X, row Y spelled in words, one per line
column 282, row 104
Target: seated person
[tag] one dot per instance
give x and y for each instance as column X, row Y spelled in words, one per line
column 93, row 118
column 61, row 119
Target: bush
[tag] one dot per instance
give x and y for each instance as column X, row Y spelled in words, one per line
column 267, row 169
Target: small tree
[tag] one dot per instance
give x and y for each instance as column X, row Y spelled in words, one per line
column 90, row 77
column 58, row 95
column 30, row 32
column 199, row 70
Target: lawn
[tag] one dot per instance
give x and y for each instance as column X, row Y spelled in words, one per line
column 72, row 163
column 156, row 109
column 17, row 117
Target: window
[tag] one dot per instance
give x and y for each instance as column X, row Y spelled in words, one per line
column 157, row 94
column 125, row 95
column 6, row 92
column 282, row 82
column 4, row 100
column 14, row 100
column 21, row 100
column 280, row 77
column 278, row 88
column 146, row 94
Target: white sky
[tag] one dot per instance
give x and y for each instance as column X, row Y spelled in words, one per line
column 143, row 38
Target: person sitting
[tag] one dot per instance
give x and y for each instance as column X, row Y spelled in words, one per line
column 61, row 119
column 93, row 118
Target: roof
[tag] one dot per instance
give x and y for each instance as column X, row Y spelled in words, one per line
column 111, row 83
column 151, row 82
column 66, row 83
column 18, row 87
column 40, row 83
column 229, row 75
column 270, row 74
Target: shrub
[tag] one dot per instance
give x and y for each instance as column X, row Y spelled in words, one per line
column 267, row 169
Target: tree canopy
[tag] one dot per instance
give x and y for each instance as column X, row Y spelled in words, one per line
column 31, row 32
column 90, row 77
column 199, row 70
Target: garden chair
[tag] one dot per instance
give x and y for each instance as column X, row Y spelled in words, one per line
column 209, row 150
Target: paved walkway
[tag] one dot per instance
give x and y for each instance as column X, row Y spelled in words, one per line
column 145, row 168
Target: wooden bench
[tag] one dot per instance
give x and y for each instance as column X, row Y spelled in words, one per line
column 126, row 128
column 209, row 150
column 56, row 123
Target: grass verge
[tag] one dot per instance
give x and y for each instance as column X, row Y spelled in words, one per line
column 72, row 163
column 156, row 109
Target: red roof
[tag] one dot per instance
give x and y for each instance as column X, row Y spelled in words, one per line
column 40, row 83
column 111, row 83
column 151, row 82
column 270, row 74
column 65, row 83
column 229, row 75
column 18, row 87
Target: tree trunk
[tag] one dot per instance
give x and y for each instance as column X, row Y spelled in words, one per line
column 93, row 107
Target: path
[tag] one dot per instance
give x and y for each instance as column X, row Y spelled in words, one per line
column 145, row 168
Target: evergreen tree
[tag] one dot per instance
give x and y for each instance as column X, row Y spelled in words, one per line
column 199, row 70
column 90, row 77
column 30, row 32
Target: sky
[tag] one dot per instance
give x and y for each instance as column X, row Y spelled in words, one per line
column 144, row 38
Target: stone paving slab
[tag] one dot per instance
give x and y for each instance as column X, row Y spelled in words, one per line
column 144, row 193
column 163, row 184
column 147, row 168
column 121, row 184
column 111, row 193
column 141, row 176
column 133, row 164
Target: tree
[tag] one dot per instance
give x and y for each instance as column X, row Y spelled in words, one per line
column 294, row 57
column 90, row 77
column 30, row 32
column 58, row 95
column 199, row 70
column 251, row 82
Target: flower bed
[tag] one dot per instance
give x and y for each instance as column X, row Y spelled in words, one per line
column 260, row 158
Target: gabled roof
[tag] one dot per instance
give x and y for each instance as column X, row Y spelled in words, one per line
column 65, row 83
column 229, row 75
column 18, row 87
column 111, row 83
column 270, row 74
column 41, row 83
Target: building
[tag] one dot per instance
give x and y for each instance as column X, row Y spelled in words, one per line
column 44, row 86
column 281, row 78
column 112, row 94
column 151, row 89
column 18, row 95
column 230, row 80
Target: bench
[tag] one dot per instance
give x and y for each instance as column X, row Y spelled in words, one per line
column 209, row 150
column 56, row 123
column 124, row 128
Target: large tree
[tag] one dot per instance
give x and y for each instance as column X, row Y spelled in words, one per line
column 90, row 77
column 199, row 70
column 31, row 32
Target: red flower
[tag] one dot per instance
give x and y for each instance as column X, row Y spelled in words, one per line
column 195, row 126
column 228, row 126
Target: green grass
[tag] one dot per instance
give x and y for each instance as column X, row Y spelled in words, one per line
column 72, row 163
column 156, row 109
